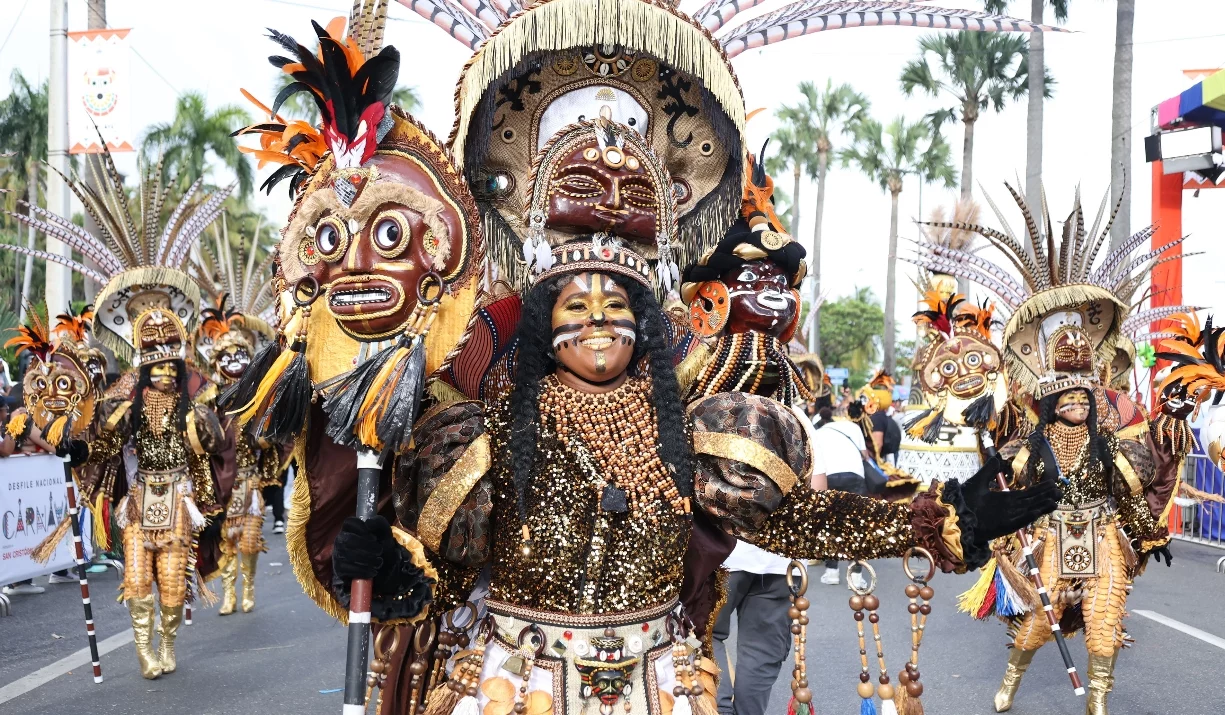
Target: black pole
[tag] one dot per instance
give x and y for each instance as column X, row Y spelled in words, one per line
column 79, row 554
column 369, row 471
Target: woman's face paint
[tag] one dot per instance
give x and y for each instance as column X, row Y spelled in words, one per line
column 593, row 333
column 1073, row 407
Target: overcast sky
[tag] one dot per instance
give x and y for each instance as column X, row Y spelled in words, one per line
column 217, row 46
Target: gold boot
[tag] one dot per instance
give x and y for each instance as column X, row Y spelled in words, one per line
column 229, row 576
column 172, row 616
column 1018, row 663
column 1101, row 681
column 142, row 610
column 248, row 581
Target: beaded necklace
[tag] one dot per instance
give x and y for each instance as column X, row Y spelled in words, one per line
column 620, row 429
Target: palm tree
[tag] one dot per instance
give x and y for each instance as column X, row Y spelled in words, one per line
column 1120, row 120
column 887, row 155
column 821, row 117
column 23, row 133
column 185, row 142
column 1037, row 65
column 982, row 70
column 795, row 150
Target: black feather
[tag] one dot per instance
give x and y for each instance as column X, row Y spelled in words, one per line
column 285, row 416
column 981, row 412
column 395, row 429
column 932, row 432
column 285, row 172
column 343, row 405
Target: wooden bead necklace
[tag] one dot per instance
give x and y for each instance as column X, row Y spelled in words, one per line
column 620, row 429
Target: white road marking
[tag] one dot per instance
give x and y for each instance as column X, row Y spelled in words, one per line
column 1181, row 627
column 44, row 675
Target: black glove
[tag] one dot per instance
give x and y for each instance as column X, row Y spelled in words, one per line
column 998, row 513
column 75, row 450
column 365, row 550
column 1161, row 551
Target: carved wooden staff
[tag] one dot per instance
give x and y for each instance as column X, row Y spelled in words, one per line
column 369, row 470
column 1036, row 577
column 79, row 553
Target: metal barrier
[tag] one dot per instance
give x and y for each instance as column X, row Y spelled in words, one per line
column 1201, row 523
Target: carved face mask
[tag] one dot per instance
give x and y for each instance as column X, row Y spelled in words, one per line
column 594, row 329
column 594, row 190
column 761, row 300
column 54, row 389
column 1073, row 407
column 164, row 376
column 232, row 362
column 963, row 365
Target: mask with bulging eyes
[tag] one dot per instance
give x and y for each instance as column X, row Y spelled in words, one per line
column 54, row 389
column 233, row 361
column 963, row 365
column 761, row 299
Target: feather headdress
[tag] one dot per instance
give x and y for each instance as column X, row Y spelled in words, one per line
column 1061, row 279
column 139, row 255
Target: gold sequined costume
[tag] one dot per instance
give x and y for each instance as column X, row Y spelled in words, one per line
column 242, row 532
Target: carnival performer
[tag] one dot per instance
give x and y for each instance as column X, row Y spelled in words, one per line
column 1062, row 335
column 147, row 308
column 243, row 466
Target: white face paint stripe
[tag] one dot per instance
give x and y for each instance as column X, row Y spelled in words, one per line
column 582, row 285
column 566, row 337
column 625, row 333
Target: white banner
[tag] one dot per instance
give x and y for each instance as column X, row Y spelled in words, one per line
column 99, row 91
column 33, row 500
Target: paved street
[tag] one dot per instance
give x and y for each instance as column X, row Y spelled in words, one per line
column 279, row 658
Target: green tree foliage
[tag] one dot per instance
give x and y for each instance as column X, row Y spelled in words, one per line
column 850, row 327
column 187, row 141
column 888, row 154
column 23, row 141
column 980, row 70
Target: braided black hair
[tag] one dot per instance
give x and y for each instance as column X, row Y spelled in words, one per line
column 536, row 361
column 146, row 381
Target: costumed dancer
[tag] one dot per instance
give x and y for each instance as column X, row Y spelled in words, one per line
column 147, row 307
column 59, row 395
column 1063, row 332
column 243, row 466
column 957, row 368
column 526, row 85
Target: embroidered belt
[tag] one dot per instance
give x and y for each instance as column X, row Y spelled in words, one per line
column 157, row 497
column 584, row 662
column 240, row 495
column 1076, row 538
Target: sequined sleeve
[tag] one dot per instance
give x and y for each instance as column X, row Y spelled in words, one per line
column 203, row 484
column 1135, row 472
column 751, row 475
column 113, row 432
column 443, row 490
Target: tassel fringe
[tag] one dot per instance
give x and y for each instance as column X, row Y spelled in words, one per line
column 973, row 600
column 243, row 391
column 46, row 548
column 56, row 430
column 101, row 512
column 441, row 701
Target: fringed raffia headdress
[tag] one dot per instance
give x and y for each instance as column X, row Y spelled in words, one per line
column 235, row 285
column 539, row 66
column 139, row 260
column 1067, row 308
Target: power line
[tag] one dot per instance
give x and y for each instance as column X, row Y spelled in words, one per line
column 154, row 70
column 14, row 27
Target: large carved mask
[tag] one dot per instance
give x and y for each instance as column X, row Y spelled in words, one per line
column 963, row 365
column 379, row 236
column 58, row 387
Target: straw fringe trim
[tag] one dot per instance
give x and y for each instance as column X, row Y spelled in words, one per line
column 295, row 541
column 144, row 276
column 638, row 25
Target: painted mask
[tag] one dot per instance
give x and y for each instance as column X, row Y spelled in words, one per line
column 594, row 328
column 232, row 361
column 761, row 300
column 55, row 389
column 160, row 336
column 964, row 365
column 593, row 190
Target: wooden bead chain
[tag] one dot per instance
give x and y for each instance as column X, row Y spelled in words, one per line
column 466, row 678
column 451, row 637
column 531, row 644
column 798, row 613
column 423, row 642
column 861, row 600
column 920, row 595
column 383, row 650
